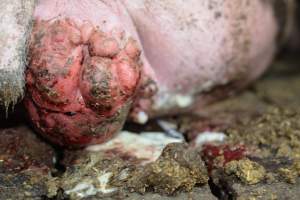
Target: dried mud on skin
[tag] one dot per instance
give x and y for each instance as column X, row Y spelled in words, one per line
column 260, row 158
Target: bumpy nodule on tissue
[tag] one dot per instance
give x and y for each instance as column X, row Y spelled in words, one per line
column 80, row 82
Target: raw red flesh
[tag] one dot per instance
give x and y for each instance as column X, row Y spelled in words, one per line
column 229, row 153
column 80, row 82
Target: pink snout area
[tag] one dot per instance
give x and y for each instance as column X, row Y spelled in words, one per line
column 80, row 82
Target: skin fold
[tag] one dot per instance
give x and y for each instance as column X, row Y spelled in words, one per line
column 93, row 64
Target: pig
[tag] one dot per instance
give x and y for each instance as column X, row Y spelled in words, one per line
column 92, row 64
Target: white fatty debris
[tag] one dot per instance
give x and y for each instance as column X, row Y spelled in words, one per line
column 146, row 146
column 86, row 189
column 208, row 137
column 142, row 117
column 170, row 129
column 165, row 100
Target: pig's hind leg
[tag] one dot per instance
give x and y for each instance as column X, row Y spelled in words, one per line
column 15, row 27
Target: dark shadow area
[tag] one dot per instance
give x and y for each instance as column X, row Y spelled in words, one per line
column 13, row 116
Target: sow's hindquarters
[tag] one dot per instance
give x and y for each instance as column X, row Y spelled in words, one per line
column 79, row 92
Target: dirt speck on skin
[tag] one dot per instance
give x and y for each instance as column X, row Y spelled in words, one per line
column 247, row 171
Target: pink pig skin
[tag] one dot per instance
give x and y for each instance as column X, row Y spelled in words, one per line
column 196, row 46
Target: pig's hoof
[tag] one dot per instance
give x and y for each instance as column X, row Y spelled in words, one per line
column 80, row 81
